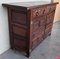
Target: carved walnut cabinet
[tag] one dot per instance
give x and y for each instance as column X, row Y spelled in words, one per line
column 29, row 24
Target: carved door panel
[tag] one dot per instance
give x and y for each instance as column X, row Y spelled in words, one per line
column 35, row 28
column 38, row 29
column 50, row 17
column 36, row 25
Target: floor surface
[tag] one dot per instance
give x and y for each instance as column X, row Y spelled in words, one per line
column 48, row 49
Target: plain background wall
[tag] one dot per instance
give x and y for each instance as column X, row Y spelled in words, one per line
column 57, row 14
column 4, row 32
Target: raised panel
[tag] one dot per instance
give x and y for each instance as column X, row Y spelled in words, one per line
column 47, row 30
column 36, row 12
column 50, row 17
column 42, row 29
column 50, row 8
column 19, row 31
column 19, row 44
column 34, row 43
column 42, row 20
column 35, row 25
column 38, row 32
column 35, row 34
column 49, row 25
column 38, row 22
column 19, row 17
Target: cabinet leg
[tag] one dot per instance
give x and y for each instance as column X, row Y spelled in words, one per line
column 27, row 54
column 49, row 34
column 11, row 47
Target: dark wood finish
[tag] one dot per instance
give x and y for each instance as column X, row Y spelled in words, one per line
column 29, row 24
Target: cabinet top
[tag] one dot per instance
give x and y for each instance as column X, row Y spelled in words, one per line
column 28, row 4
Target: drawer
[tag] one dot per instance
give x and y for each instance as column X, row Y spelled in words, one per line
column 18, row 17
column 19, row 44
column 19, row 31
column 35, row 25
column 42, row 20
column 35, row 34
column 42, row 28
column 51, row 8
column 50, row 18
column 34, row 43
column 41, row 34
column 47, row 30
column 49, row 25
column 36, row 12
column 38, row 33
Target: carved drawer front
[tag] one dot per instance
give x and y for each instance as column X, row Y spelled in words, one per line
column 19, row 17
column 19, row 44
column 38, row 12
column 49, row 25
column 37, row 40
column 35, row 25
column 42, row 28
column 34, row 43
column 42, row 20
column 38, row 32
column 35, row 34
column 51, row 8
column 47, row 30
column 38, row 35
column 19, row 31
column 41, row 35
column 50, row 18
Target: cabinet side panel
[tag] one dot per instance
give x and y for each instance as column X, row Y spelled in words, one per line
column 10, row 28
column 18, row 29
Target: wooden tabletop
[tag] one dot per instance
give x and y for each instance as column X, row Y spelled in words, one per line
column 28, row 4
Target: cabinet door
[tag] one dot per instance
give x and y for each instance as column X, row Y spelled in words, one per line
column 50, row 17
column 38, row 12
column 18, row 17
column 38, row 22
column 19, row 44
column 38, row 28
column 49, row 23
column 35, row 25
column 48, row 29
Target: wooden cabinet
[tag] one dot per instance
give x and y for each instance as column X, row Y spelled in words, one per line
column 29, row 24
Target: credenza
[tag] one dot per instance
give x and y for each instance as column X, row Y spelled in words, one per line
column 29, row 24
